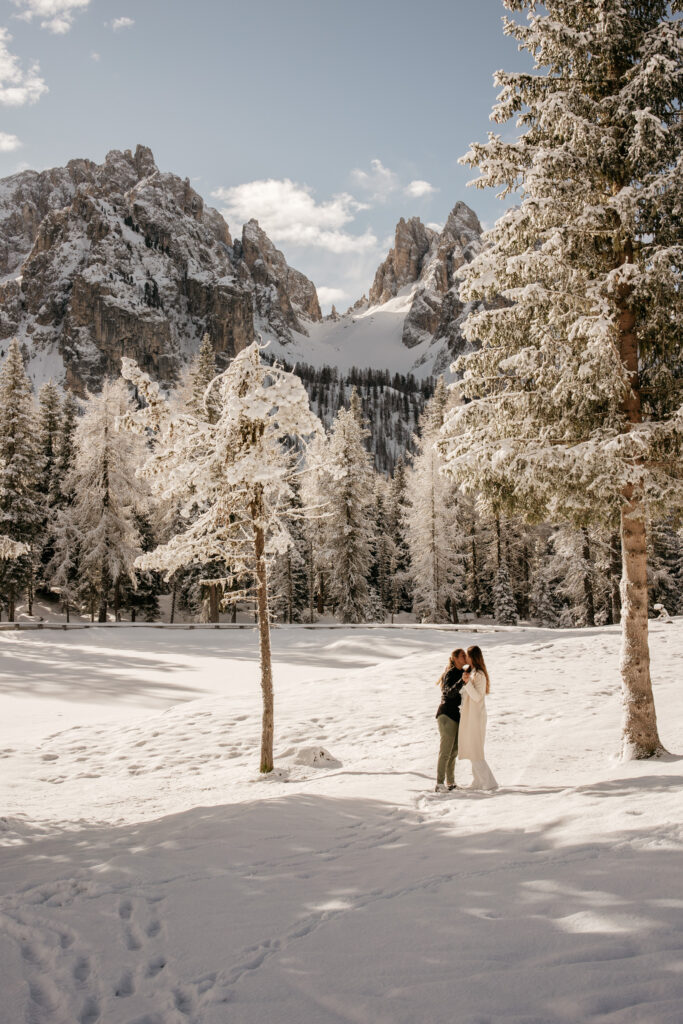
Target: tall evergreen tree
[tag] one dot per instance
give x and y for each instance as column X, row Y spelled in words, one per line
column 574, row 399
column 434, row 537
column 62, row 573
column 401, row 595
column 349, row 533
column 204, row 401
column 106, row 497
column 49, row 417
column 21, row 508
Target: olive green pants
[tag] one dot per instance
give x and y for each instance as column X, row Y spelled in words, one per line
column 448, row 750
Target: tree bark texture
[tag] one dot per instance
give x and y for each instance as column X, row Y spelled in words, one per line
column 640, row 737
column 213, row 602
column 589, row 603
column 267, row 728
column 615, row 577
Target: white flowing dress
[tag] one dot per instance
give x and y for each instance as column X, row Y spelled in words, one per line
column 472, row 732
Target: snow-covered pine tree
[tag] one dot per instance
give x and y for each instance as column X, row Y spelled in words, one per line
column 289, row 577
column 545, row 604
column 313, row 494
column 505, row 609
column 575, row 395
column 106, row 495
column 348, row 526
column 666, row 566
column 11, row 548
column 49, row 417
column 383, row 566
column 434, row 538
column 238, row 471
column 400, row 583
column 20, row 463
column 203, row 401
column 62, row 572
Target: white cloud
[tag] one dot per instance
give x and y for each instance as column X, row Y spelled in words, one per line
column 119, row 23
column 288, row 213
column 419, row 188
column 55, row 15
column 379, row 181
column 327, row 296
column 8, row 143
column 17, row 87
column 95, row 56
column 434, row 226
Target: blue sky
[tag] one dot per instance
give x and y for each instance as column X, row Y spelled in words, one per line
column 326, row 120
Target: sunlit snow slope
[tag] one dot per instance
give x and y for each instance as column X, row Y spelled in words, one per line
column 371, row 338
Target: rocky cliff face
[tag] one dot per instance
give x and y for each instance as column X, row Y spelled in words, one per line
column 428, row 261
column 100, row 261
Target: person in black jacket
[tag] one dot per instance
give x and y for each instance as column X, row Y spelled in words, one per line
column 448, row 719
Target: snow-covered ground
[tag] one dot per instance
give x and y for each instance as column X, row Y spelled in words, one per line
column 370, row 338
column 148, row 875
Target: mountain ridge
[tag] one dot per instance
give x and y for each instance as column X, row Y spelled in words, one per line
column 104, row 260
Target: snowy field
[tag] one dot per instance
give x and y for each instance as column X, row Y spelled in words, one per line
column 148, row 875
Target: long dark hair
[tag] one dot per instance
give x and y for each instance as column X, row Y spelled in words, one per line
column 476, row 660
column 451, row 664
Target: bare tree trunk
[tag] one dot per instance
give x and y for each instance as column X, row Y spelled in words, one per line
column 66, row 609
column 476, row 603
column 267, row 728
column 589, row 602
column 526, row 585
column 640, row 737
column 213, row 602
column 615, row 574
column 173, row 597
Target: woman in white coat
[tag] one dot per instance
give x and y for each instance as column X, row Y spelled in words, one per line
column 473, row 720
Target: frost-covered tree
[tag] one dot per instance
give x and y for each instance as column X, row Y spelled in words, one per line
column 313, row 494
column 11, row 548
column 397, row 503
column 62, row 572
column 20, row 462
column 49, row 417
column 574, row 401
column 203, row 401
column 505, row 609
column 101, row 520
column 289, row 576
column 348, row 485
column 666, row 567
column 238, row 471
column 435, row 540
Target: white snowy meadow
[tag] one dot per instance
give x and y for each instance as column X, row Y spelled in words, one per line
column 150, row 873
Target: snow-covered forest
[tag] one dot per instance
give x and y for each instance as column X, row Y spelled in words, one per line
column 85, row 515
column 73, row 494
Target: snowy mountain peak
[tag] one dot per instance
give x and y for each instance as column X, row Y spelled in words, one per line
column 410, row 322
column 98, row 261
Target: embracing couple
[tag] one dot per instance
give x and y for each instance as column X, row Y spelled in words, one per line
column 462, row 719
